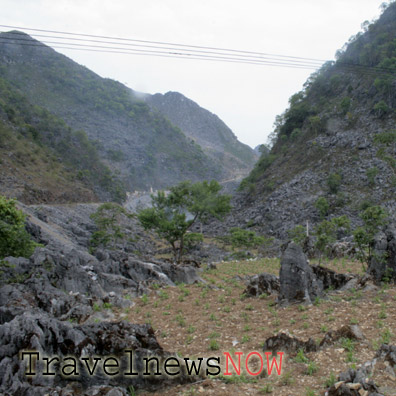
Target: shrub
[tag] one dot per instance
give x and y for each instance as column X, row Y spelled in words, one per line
column 334, row 182
column 14, row 239
column 322, row 205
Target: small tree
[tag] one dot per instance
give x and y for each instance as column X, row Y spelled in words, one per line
column 374, row 217
column 107, row 219
column 172, row 215
column 334, row 182
column 240, row 238
column 326, row 232
column 14, row 239
column 323, row 206
column 298, row 234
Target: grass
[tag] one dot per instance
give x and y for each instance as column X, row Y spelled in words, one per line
column 210, row 320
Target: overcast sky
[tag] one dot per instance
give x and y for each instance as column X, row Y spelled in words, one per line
column 246, row 97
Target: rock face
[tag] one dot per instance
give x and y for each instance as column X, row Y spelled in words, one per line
column 55, row 302
column 298, row 282
column 262, row 284
column 383, row 263
column 206, row 129
column 355, row 382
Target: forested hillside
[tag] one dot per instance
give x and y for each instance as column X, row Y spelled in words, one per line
column 137, row 143
column 336, row 141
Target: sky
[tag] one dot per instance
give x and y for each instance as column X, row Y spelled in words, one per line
column 246, row 97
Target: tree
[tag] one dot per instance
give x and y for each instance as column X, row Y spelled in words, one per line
column 374, row 217
column 173, row 214
column 323, row 206
column 240, row 238
column 107, row 219
column 298, row 234
column 14, row 239
column 326, row 232
column 334, row 182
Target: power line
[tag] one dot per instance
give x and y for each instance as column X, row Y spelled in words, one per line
column 171, row 53
column 150, row 50
column 160, row 43
column 119, row 45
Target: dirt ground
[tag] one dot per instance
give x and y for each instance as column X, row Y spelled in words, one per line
column 208, row 319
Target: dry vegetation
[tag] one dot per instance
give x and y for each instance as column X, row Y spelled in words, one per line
column 207, row 319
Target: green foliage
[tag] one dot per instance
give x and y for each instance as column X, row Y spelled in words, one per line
column 298, row 234
column 326, row 232
column 345, row 105
column 334, row 182
column 381, row 109
column 323, row 206
column 240, row 238
column 173, row 214
column 109, row 231
column 192, row 239
column 73, row 148
column 261, row 166
column 371, row 175
column 374, row 217
column 14, row 239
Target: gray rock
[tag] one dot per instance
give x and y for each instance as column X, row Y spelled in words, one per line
column 383, row 263
column 297, row 279
column 262, row 284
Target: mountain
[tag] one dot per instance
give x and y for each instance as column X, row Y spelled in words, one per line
column 44, row 160
column 337, row 140
column 137, row 144
column 206, row 129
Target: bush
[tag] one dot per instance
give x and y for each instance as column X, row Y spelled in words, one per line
column 14, row 239
column 322, row 205
column 334, row 182
column 240, row 238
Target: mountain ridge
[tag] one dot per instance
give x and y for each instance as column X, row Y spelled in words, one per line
column 138, row 144
column 333, row 142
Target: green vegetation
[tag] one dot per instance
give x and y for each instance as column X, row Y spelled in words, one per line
column 374, row 217
column 240, row 238
column 73, row 148
column 298, row 234
column 108, row 220
column 326, row 232
column 173, row 214
column 14, row 239
column 323, row 206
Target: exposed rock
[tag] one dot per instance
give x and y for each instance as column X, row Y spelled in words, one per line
column 61, row 284
column 262, row 284
column 53, row 338
column 383, row 263
column 285, row 343
column 297, row 279
column 353, row 332
column 329, row 278
column 355, row 382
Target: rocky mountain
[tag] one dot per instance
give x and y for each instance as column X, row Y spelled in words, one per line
column 136, row 144
column 207, row 130
column 336, row 141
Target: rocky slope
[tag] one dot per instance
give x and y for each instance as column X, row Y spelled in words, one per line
column 60, row 302
column 137, row 143
column 207, row 130
column 336, row 140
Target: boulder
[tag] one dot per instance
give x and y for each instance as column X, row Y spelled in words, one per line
column 262, row 284
column 53, row 338
column 382, row 265
column 298, row 282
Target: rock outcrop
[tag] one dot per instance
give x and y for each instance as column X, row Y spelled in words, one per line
column 383, row 262
column 298, row 282
column 58, row 303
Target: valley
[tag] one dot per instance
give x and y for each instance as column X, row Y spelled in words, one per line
column 138, row 224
